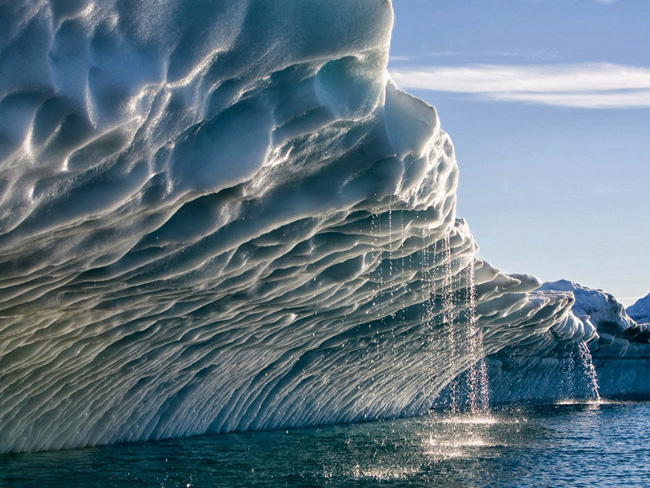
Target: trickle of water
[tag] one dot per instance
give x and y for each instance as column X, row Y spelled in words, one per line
column 424, row 277
column 588, row 367
column 403, row 238
column 448, row 321
column 390, row 240
column 433, row 280
column 374, row 232
column 478, row 385
column 427, row 289
column 380, row 253
column 568, row 374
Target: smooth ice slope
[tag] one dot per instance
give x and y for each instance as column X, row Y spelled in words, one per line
column 620, row 348
column 220, row 216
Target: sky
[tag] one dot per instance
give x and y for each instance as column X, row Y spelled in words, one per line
column 548, row 105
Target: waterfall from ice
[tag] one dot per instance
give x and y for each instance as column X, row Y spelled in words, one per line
column 477, row 377
column 448, row 317
column 590, row 372
column 568, row 375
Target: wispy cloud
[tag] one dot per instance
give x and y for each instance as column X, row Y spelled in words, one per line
column 600, row 85
column 426, row 57
column 543, row 1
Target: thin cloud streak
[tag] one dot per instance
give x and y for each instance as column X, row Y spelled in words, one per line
column 600, row 85
column 538, row 55
column 631, row 99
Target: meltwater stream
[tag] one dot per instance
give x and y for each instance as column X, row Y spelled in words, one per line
column 578, row 445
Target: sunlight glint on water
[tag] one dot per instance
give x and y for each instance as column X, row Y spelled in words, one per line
column 557, row 445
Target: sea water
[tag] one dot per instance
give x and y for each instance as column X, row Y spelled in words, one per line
column 569, row 444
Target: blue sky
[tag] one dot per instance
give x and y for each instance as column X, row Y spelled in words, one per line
column 548, row 105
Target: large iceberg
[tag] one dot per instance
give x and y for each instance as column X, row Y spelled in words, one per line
column 221, row 216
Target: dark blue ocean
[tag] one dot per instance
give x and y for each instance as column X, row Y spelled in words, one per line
column 581, row 445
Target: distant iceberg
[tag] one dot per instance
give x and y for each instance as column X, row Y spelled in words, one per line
column 226, row 218
column 640, row 311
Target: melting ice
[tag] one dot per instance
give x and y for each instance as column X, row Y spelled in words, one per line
column 199, row 225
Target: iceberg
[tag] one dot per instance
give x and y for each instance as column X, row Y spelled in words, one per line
column 225, row 216
column 640, row 311
column 598, row 338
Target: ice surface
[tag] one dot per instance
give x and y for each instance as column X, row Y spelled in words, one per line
column 220, row 216
column 640, row 311
column 554, row 369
